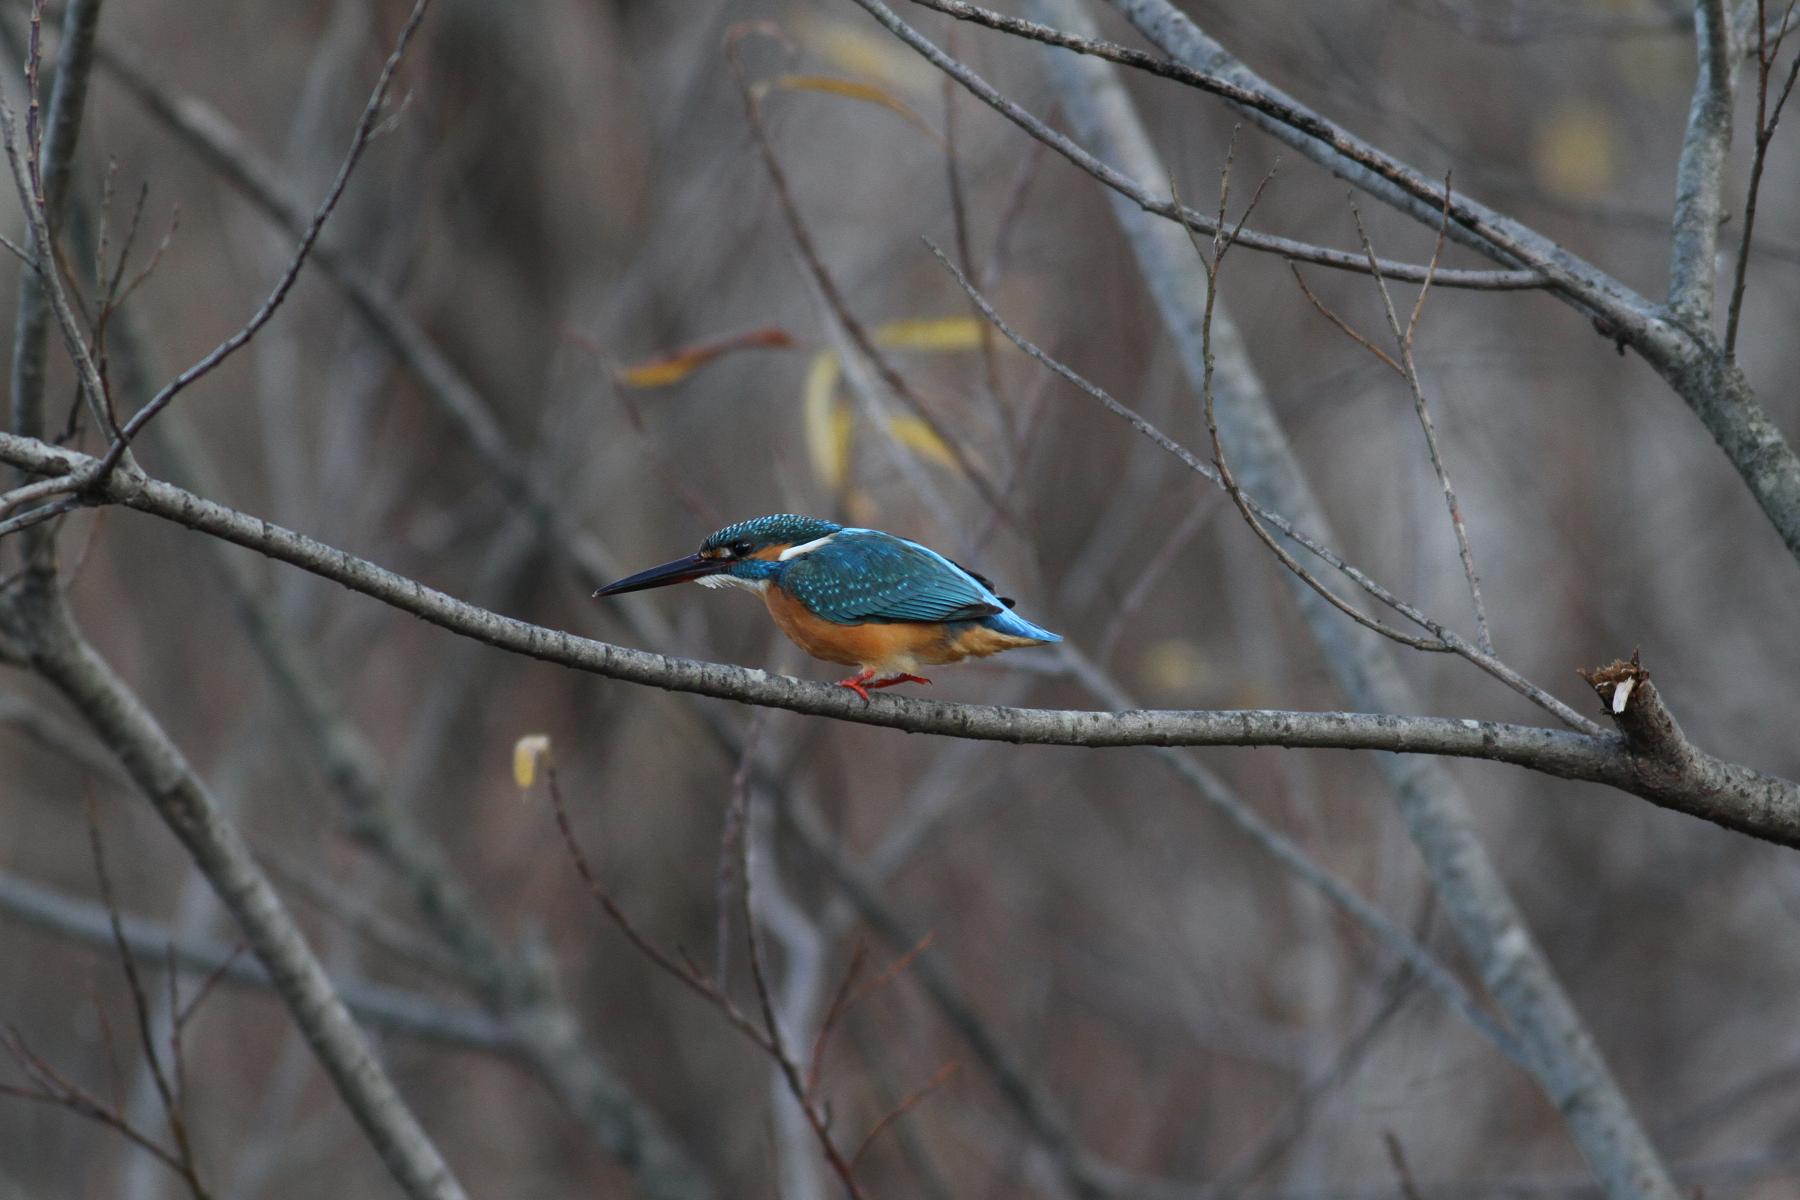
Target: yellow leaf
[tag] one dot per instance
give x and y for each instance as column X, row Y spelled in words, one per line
column 678, row 364
column 939, row 334
column 1575, row 152
column 855, row 48
column 868, row 93
column 922, row 440
column 528, row 751
column 827, row 421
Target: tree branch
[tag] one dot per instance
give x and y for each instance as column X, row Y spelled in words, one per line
column 1700, row 175
column 386, row 1008
column 1690, row 360
column 1762, row 805
column 34, row 614
column 1562, row 1054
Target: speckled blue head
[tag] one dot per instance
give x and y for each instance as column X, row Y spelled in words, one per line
column 746, row 538
column 744, row 553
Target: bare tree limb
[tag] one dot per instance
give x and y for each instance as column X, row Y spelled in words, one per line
column 1563, row 1056
column 359, row 142
column 1286, row 247
column 1700, row 177
column 1752, row 802
column 35, row 616
column 1690, row 360
column 381, row 1007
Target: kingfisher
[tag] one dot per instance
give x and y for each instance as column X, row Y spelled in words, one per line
column 859, row 597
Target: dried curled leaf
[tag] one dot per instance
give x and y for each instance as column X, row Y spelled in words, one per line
column 678, row 364
column 853, row 89
column 857, row 49
column 942, row 334
column 528, row 752
column 922, row 440
column 829, row 425
column 826, row 421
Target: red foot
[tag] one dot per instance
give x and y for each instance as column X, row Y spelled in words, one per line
column 855, row 682
column 891, row 680
column 862, row 682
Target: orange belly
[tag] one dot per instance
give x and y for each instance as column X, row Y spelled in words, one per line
column 888, row 649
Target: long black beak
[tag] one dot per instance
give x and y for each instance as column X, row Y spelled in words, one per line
column 679, row 571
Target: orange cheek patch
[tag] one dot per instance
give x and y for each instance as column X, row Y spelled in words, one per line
column 771, row 553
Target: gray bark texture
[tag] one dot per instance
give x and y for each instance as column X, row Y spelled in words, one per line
column 1561, row 1051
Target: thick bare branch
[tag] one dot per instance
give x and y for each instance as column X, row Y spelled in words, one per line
column 1762, row 805
column 35, row 616
column 1149, row 201
column 365, row 129
column 1564, row 1058
column 1700, row 177
column 1690, row 360
column 381, row 1007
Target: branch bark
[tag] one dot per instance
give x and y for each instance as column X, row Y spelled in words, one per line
column 1762, row 805
column 381, row 1007
column 1562, row 1054
column 1690, row 360
column 1700, row 176
column 34, row 615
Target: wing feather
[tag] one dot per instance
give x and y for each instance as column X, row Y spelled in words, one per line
column 864, row 575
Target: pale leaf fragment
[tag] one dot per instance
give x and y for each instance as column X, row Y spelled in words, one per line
column 528, row 752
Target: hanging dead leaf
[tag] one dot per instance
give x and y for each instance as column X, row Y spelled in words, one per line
column 853, row 89
column 826, row 421
column 678, row 364
column 528, row 752
column 942, row 334
column 922, row 440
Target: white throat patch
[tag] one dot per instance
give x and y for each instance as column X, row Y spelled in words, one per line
column 805, row 547
column 724, row 581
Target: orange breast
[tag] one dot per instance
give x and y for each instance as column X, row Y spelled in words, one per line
column 890, row 649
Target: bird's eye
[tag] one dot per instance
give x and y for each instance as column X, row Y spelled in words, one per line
column 740, row 548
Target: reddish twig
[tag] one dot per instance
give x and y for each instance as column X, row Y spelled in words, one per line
column 166, row 1091
column 938, row 1078
column 840, row 1003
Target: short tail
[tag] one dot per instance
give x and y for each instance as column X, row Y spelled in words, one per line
column 1013, row 625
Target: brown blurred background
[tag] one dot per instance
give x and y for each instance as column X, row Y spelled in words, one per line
column 570, row 189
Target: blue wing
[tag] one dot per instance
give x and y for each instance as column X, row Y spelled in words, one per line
column 864, row 575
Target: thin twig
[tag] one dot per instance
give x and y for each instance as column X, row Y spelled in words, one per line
column 1403, row 341
column 1308, row 126
column 1727, row 793
column 687, row 973
column 834, row 296
column 140, row 1007
column 938, row 1078
column 1448, row 640
column 54, row 1088
column 777, row 1042
column 1766, row 122
column 359, row 142
column 1344, row 327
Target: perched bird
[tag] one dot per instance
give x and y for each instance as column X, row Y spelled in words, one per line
column 860, row 597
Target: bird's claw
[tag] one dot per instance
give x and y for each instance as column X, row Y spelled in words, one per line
column 856, row 684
